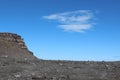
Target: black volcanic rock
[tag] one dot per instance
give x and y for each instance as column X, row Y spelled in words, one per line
column 18, row 63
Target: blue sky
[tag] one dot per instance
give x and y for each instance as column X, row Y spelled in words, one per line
column 65, row 29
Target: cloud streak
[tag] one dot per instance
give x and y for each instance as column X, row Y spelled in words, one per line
column 77, row 21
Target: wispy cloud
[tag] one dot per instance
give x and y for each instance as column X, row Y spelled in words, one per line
column 77, row 21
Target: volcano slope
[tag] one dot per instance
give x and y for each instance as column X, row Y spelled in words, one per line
column 18, row 63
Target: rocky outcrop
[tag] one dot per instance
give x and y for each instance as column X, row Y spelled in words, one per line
column 13, row 46
column 13, row 38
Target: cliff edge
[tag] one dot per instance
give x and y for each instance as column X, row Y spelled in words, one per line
column 13, row 46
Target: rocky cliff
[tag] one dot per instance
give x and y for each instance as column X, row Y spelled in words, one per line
column 13, row 46
column 13, row 38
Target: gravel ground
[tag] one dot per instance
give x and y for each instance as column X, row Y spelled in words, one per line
column 11, row 69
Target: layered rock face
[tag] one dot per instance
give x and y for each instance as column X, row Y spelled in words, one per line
column 13, row 38
column 13, row 46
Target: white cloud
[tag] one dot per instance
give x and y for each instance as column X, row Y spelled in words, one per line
column 76, row 28
column 77, row 21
